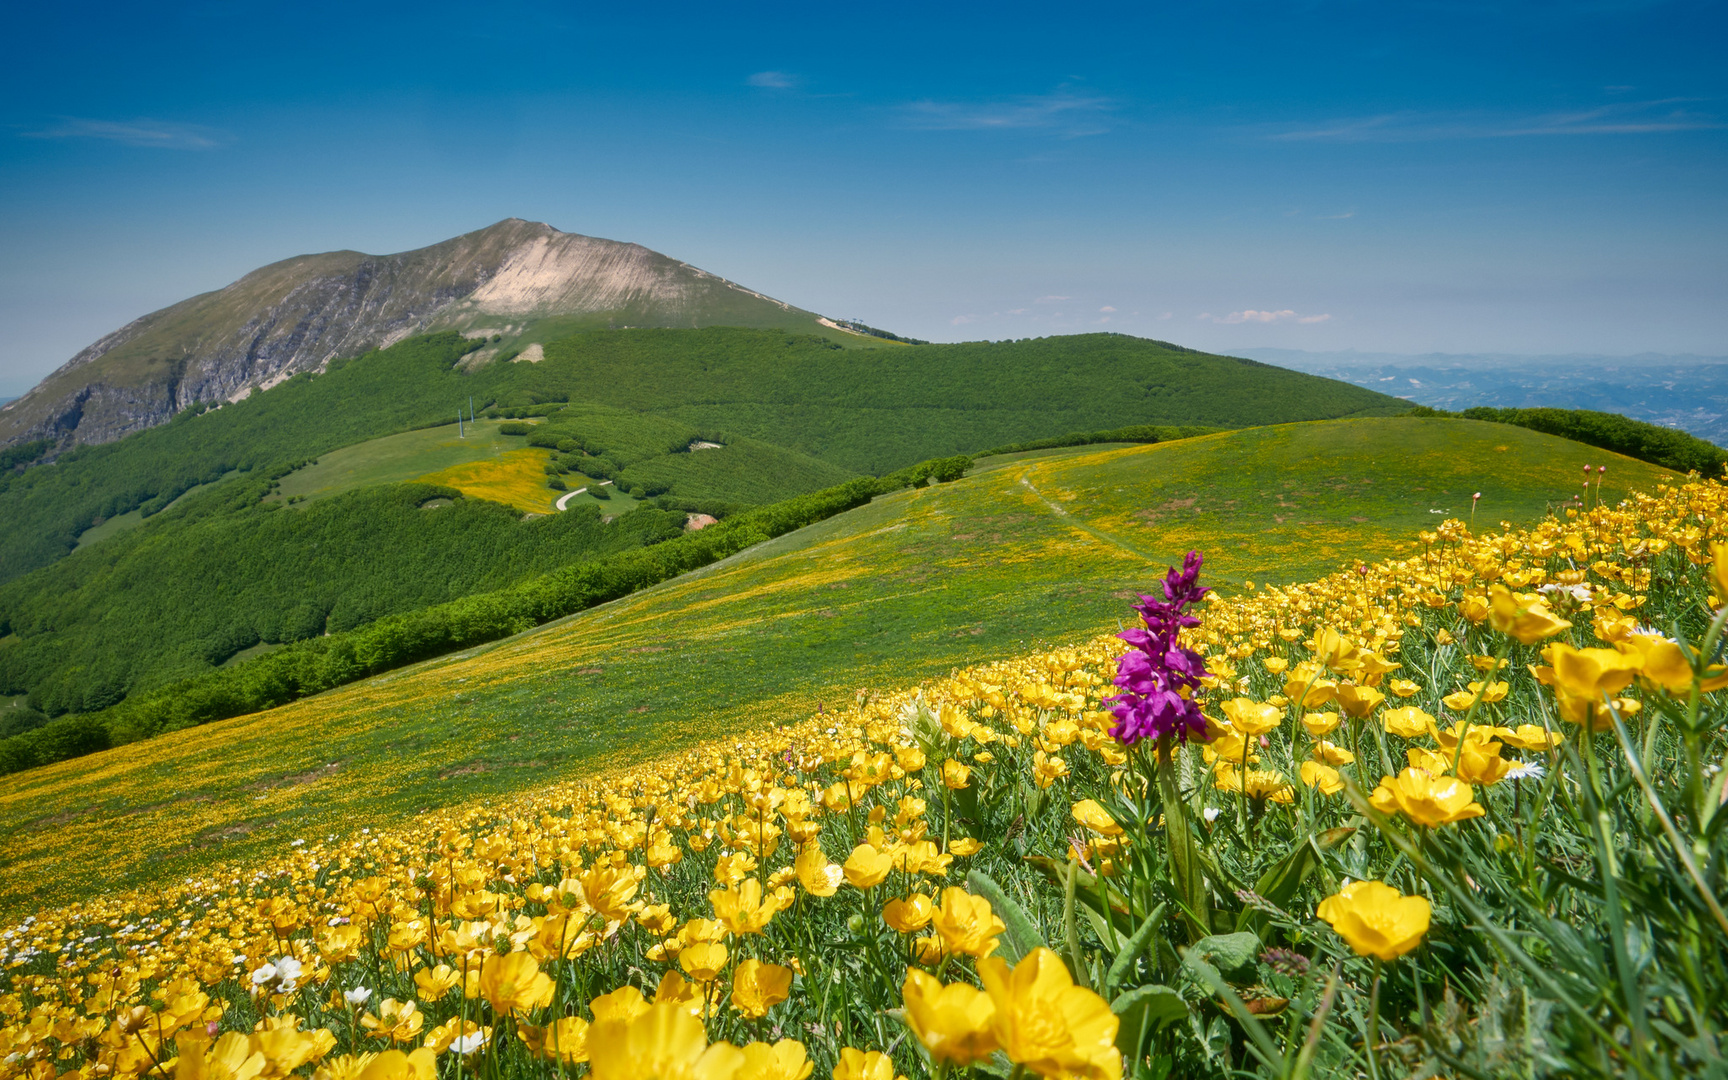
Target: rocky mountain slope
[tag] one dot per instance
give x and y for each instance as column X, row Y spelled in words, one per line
column 518, row 279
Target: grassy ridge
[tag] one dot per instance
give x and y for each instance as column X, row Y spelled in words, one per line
column 1028, row 548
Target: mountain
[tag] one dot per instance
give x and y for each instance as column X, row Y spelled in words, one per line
column 520, row 281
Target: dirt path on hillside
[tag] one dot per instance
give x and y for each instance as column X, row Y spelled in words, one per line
column 1096, row 533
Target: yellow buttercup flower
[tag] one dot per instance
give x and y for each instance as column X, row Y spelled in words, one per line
column 703, row 962
column 1404, row 688
column 395, row 1065
column 1481, row 763
column 1432, row 761
column 866, row 867
column 563, row 1040
column 1408, row 722
column 1330, row 753
column 439, row 1038
column 966, row 923
column 398, row 1021
column 953, row 1021
column 230, row 1057
column 663, row 1043
column 1324, row 777
column 784, row 1060
column 955, row 774
column 514, row 983
column 758, row 987
column 1047, row 768
column 855, row 1064
column 1590, row 673
column 1045, row 1022
column 1425, row 798
column 609, row 890
column 1531, row 737
column 1358, row 701
column 680, row 991
column 1088, row 813
column 909, row 915
column 1525, row 618
column 1252, row 717
column 1376, row 919
column 742, row 910
column 623, row 1004
column 1662, row 664
column 1321, row 724
column 1254, row 783
column 818, row 876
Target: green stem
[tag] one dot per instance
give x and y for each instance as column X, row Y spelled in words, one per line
column 1373, row 1024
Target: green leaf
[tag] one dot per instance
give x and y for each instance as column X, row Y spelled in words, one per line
column 1184, row 860
column 1022, row 935
column 1131, row 950
column 1143, row 1010
column 1281, row 882
column 1232, row 955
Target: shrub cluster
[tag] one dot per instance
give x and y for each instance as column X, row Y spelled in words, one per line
column 1667, row 447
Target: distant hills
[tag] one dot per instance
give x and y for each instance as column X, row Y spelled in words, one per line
column 1687, row 392
column 520, row 282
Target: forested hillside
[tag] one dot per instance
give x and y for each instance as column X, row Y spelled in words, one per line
column 227, row 573
column 874, row 411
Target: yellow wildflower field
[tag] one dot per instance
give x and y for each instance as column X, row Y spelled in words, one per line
column 1364, row 825
column 515, row 478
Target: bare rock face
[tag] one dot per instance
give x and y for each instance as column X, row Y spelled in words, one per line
column 299, row 314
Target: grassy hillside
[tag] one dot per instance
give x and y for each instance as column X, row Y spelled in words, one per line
column 1029, row 548
column 861, row 410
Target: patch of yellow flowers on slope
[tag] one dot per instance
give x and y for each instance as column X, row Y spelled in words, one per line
column 626, row 921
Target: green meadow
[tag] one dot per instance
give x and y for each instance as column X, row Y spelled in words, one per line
column 1029, row 549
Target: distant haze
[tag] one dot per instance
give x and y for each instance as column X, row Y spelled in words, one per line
column 1682, row 391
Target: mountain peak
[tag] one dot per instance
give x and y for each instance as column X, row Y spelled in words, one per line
column 512, row 277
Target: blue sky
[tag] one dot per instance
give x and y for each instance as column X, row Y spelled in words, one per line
column 1522, row 177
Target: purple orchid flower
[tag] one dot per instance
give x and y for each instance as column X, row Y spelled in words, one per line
column 1158, row 677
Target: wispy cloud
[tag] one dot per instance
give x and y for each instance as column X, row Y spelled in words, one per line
column 1063, row 111
column 773, row 80
column 1252, row 316
column 143, row 132
column 1621, row 118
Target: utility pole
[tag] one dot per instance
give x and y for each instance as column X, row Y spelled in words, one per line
column 470, row 408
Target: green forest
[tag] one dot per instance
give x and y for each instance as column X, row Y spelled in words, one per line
column 228, row 572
